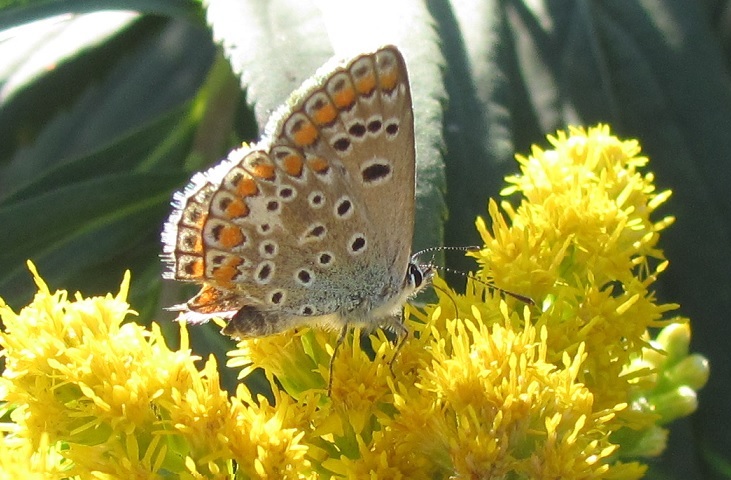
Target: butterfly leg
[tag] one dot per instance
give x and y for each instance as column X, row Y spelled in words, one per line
column 402, row 334
column 341, row 339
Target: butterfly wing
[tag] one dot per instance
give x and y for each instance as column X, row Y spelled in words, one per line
column 317, row 219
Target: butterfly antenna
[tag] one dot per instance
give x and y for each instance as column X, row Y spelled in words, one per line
column 473, row 248
column 449, row 295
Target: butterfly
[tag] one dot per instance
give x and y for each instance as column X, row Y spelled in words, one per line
column 313, row 225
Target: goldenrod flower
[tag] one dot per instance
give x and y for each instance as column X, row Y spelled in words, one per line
column 485, row 385
column 19, row 459
column 111, row 399
column 584, row 232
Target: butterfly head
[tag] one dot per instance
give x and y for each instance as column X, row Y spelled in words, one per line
column 418, row 275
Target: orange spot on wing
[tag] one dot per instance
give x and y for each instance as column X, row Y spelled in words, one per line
column 246, row 187
column 344, row 98
column 305, row 134
column 206, row 296
column 366, row 84
column 293, row 165
column 231, row 236
column 226, row 273
column 194, row 268
column 388, row 80
column 325, row 115
column 237, row 208
column 318, row 164
column 197, row 247
column 194, row 217
column 200, row 221
column 263, row 170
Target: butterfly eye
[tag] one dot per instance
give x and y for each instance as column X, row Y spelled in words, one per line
column 414, row 276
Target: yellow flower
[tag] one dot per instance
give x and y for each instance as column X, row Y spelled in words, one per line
column 20, row 459
column 584, row 233
column 486, row 385
column 112, row 399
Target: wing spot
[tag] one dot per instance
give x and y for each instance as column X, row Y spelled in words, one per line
column 341, row 144
column 305, row 277
column 287, row 193
column 245, row 187
column 388, row 80
column 357, row 130
column 374, row 126
column 193, row 267
column 358, row 244
column 229, row 270
column 318, row 165
column 268, row 249
column 344, row 208
column 376, row 172
column 234, row 208
column 318, row 231
column 365, row 79
column 316, row 199
column 392, row 129
column 302, row 132
column 264, row 272
column 325, row 259
column 342, row 92
column 276, row 297
column 293, row 165
column 262, row 169
column 229, row 236
column 323, row 112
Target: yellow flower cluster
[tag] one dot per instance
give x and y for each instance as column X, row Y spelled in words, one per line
column 583, row 244
column 108, row 399
column 19, row 459
column 485, row 385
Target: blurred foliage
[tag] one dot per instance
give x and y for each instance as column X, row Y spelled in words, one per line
column 104, row 114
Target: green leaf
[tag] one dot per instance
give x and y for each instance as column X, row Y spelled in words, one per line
column 127, row 114
column 133, row 153
column 20, row 12
column 97, row 218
